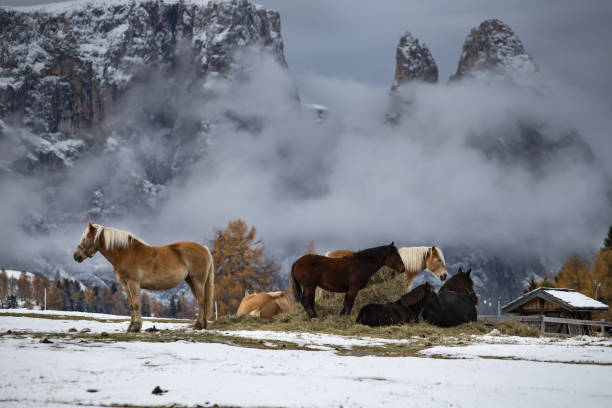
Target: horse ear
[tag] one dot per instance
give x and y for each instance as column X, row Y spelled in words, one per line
column 468, row 272
column 246, row 292
column 460, row 271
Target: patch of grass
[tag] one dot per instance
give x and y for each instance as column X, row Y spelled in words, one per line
column 515, row 328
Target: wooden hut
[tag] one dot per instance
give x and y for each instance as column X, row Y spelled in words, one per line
column 560, row 303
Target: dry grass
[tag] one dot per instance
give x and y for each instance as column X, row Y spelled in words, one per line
column 296, row 320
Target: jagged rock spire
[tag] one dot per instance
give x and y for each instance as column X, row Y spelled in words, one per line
column 413, row 62
column 494, row 47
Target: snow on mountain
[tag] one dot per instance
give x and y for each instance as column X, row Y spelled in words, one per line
column 413, row 62
column 494, row 48
column 64, row 66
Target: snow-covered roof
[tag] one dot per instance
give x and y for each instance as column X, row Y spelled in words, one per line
column 576, row 299
column 566, row 298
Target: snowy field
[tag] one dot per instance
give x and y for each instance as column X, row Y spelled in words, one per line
column 490, row 371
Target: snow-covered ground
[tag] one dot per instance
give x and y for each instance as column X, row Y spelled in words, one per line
column 61, row 373
column 535, row 352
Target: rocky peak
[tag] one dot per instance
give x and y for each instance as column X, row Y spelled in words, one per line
column 64, row 65
column 413, row 62
column 494, row 47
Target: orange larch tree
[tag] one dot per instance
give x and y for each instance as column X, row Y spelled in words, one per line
column 239, row 265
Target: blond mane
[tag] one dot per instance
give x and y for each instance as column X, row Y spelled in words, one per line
column 113, row 238
column 414, row 257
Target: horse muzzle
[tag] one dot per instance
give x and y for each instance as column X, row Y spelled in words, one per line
column 443, row 276
column 78, row 258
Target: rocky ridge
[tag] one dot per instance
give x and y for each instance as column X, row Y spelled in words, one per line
column 413, row 62
column 494, row 48
column 64, row 66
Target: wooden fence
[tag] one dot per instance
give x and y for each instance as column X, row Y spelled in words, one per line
column 542, row 320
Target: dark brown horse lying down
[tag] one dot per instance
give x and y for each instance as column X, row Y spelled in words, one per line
column 406, row 309
column 456, row 302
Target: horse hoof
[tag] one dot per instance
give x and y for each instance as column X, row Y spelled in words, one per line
column 199, row 326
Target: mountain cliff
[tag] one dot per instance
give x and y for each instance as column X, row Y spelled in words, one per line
column 64, row 67
column 413, row 62
column 494, row 48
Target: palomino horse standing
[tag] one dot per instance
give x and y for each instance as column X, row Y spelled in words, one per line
column 416, row 260
column 349, row 274
column 140, row 266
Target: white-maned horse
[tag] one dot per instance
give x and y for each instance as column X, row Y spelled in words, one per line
column 416, row 260
column 138, row 266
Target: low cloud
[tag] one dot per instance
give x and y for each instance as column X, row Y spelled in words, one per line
column 249, row 150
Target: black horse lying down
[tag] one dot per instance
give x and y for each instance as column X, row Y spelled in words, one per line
column 407, row 308
column 455, row 304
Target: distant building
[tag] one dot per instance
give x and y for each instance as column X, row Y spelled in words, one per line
column 557, row 302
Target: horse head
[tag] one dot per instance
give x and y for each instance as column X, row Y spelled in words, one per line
column 393, row 259
column 434, row 261
column 88, row 246
column 461, row 282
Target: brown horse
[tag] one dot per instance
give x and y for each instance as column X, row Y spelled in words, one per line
column 416, row 260
column 349, row 274
column 263, row 304
column 138, row 266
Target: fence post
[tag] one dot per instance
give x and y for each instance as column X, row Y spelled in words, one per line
column 216, row 314
column 543, row 325
column 602, row 327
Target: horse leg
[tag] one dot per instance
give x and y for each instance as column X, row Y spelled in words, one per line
column 308, row 301
column 127, row 292
column 133, row 291
column 349, row 300
column 197, row 288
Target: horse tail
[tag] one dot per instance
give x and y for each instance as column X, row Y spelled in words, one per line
column 209, row 289
column 297, row 289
